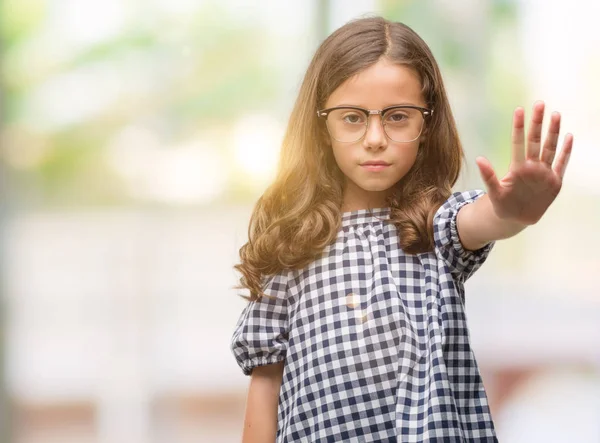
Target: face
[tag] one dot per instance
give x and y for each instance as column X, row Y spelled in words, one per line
column 379, row 86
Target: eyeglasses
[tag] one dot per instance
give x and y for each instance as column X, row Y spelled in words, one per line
column 401, row 124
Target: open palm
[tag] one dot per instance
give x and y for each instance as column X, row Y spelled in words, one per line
column 535, row 175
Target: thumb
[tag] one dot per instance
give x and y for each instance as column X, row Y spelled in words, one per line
column 488, row 175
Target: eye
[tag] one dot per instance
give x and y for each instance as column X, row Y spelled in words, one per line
column 353, row 118
column 396, row 116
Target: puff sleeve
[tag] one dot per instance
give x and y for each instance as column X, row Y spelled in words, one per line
column 261, row 333
column 448, row 247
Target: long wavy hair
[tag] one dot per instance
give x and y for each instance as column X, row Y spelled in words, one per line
column 300, row 213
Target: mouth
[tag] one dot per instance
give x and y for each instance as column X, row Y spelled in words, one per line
column 375, row 165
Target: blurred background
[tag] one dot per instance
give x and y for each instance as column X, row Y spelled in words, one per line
column 135, row 137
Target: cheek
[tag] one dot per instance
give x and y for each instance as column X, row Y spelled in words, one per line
column 405, row 156
column 342, row 154
column 410, row 154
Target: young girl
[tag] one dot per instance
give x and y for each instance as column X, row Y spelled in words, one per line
column 357, row 255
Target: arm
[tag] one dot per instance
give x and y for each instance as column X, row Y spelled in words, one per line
column 478, row 224
column 521, row 197
column 260, row 423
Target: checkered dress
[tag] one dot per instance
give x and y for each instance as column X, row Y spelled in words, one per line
column 375, row 341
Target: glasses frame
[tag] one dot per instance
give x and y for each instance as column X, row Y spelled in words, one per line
column 425, row 112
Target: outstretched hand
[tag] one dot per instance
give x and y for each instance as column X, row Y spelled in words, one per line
column 535, row 176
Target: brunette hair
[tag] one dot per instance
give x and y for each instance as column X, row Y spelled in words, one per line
column 299, row 214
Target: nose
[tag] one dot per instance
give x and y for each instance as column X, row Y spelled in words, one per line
column 375, row 137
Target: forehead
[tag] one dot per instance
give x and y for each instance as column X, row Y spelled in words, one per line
column 380, row 85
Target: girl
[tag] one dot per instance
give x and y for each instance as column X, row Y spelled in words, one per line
column 358, row 252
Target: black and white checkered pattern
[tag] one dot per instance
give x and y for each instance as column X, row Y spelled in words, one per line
column 375, row 342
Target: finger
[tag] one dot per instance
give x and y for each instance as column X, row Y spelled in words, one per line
column 518, row 136
column 560, row 166
column 488, row 175
column 535, row 131
column 549, row 150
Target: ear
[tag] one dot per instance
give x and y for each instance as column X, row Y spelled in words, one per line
column 324, row 135
column 424, row 135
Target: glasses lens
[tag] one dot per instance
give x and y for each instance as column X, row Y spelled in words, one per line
column 403, row 124
column 346, row 125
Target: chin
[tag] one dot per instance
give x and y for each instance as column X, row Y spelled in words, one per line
column 376, row 187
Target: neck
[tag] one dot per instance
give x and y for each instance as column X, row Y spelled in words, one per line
column 356, row 198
